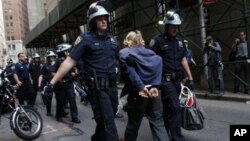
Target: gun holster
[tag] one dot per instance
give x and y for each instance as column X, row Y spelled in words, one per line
column 89, row 83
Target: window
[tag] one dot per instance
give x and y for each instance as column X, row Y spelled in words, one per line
column 9, row 47
column 13, row 38
column 11, row 17
column 13, row 47
column 6, row 18
column 8, row 38
column 11, row 24
column 161, row 7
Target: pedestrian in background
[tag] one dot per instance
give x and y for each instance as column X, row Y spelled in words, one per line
column 240, row 49
column 214, row 64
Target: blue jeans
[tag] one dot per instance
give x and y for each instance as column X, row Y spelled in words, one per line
column 215, row 73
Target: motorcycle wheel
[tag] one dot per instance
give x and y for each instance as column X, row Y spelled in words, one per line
column 24, row 128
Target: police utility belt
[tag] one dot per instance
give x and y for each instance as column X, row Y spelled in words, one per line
column 103, row 83
column 172, row 77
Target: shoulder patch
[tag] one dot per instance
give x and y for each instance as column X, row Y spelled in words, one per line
column 180, row 44
column 78, row 40
column 152, row 43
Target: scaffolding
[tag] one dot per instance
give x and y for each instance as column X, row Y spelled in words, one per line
column 223, row 20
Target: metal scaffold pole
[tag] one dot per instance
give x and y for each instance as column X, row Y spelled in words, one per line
column 247, row 26
column 203, row 34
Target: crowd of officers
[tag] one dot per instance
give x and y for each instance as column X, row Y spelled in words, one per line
column 31, row 77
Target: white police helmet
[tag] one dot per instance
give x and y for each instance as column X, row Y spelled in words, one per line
column 50, row 53
column 35, row 55
column 171, row 18
column 63, row 47
column 9, row 61
column 95, row 11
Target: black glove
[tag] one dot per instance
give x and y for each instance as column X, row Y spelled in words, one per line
column 40, row 88
column 190, row 84
column 48, row 88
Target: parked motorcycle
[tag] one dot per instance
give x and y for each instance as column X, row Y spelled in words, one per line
column 25, row 121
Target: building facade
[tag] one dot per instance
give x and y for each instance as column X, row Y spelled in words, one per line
column 15, row 15
column 37, row 11
column 3, row 51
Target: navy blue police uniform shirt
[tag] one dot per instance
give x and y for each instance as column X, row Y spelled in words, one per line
column 147, row 69
column 47, row 72
column 21, row 70
column 56, row 66
column 172, row 51
column 97, row 52
column 35, row 70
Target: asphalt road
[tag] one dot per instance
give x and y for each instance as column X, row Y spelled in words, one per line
column 219, row 116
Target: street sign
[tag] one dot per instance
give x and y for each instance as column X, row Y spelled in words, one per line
column 209, row 1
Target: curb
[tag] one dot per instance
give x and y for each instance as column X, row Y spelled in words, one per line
column 225, row 97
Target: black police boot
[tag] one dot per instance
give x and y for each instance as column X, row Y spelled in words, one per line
column 49, row 114
column 76, row 120
column 119, row 115
column 64, row 114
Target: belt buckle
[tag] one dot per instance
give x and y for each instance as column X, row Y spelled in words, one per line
column 168, row 78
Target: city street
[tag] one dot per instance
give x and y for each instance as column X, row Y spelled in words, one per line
column 219, row 115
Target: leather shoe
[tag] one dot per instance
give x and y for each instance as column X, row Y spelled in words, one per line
column 76, row 120
column 64, row 114
column 49, row 114
column 119, row 115
column 59, row 119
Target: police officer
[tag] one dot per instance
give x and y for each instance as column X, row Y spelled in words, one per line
column 45, row 77
column 9, row 71
column 142, row 99
column 171, row 48
column 64, row 90
column 22, row 77
column 98, row 50
column 35, row 71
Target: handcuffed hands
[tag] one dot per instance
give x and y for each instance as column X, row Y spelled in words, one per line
column 149, row 93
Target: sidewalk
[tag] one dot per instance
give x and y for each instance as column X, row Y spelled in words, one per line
column 228, row 96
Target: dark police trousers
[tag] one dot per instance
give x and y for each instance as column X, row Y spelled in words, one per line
column 26, row 92
column 35, row 88
column 136, row 108
column 171, row 109
column 65, row 92
column 47, row 99
column 105, row 128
